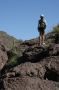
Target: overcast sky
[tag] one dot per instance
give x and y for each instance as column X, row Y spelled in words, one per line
column 19, row 18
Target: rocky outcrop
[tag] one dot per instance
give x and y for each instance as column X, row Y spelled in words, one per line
column 42, row 74
column 35, row 54
column 31, row 67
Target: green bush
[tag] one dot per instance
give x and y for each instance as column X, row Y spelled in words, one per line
column 13, row 60
column 56, row 29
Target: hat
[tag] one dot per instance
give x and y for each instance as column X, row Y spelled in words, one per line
column 42, row 16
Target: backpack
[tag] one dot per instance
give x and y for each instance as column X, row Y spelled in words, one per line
column 41, row 25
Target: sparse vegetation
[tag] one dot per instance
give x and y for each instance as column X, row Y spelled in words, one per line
column 13, row 59
column 56, row 29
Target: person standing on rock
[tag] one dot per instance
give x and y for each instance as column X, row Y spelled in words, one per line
column 41, row 29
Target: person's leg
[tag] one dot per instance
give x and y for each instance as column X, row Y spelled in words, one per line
column 40, row 40
column 43, row 38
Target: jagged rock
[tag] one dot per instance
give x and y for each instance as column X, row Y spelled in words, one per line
column 31, row 42
column 28, row 83
column 54, row 64
column 54, row 49
column 30, row 69
column 52, row 69
column 35, row 54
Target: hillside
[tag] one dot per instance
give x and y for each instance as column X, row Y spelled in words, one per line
column 8, row 41
column 27, row 66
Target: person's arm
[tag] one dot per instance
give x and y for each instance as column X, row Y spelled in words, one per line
column 45, row 23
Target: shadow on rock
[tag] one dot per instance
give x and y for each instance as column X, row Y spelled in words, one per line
column 35, row 54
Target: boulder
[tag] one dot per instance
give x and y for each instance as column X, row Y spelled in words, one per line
column 28, row 83
column 35, row 54
column 30, row 69
column 52, row 69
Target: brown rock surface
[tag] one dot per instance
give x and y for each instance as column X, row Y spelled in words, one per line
column 3, row 56
column 28, row 83
column 30, row 69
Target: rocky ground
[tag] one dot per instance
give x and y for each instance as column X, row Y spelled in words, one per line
column 28, row 66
